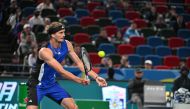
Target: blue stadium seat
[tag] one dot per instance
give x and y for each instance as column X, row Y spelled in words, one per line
column 108, row 48
column 163, row 51
column 183, row 52
column 156, row 60
column 184, row 33
column 154, row 41
column 186, row 17
column 121, row 22
column 79, row 13
column 28, row 11
column 144, row 50
column 71, row 20
column 135, row 60
column 115, row 14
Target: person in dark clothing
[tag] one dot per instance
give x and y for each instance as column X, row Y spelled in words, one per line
column 135, row 89
column 102, row 38
column 183, row 81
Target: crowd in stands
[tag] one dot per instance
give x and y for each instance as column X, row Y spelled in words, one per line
column 130, row 32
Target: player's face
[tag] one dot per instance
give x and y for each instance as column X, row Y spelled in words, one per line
column 60, row 35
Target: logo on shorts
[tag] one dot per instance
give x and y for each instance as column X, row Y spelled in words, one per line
column 30, row 101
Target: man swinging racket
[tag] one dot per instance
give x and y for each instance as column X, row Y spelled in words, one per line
column 42, row 80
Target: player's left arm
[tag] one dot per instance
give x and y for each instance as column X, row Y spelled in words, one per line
column 101, row 81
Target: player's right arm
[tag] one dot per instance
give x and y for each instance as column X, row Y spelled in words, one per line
column 47, row 55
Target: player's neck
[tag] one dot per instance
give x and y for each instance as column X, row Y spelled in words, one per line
column 55, row 44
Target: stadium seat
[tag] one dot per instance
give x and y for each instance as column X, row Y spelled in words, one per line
column 136, row 40
column 135, row 60
column 26, row 3
column 81, row 38
column 166, row 33
column 64, row 12
column 92, row 29
column 175, row 42
column 111, row 30
column 161, row 9
column 131, row 15
column 187, row 24
column 141, row 23
column 108, row 48
column 171, row 61
column 186, row 17
column 53, row 18
column 73, row 29
column 92, row 5
column 188, row 62
column 156, row 60
column 121, row 22
column 183, row 33
column 98, row 13
column 115, row 14
column 144, row 50
column 48, row 12
column 71, row 20
column 159, row 2
column 163, row 51
column 183, row 52
column 89, row 47
column 148, row 32
column 94, row 58
column 125, row 49
column 155, row 41
column 162, row 67
column 86, row 21
column 79, row 13
column 28, row 11
column 179, row 9
column 105, row 21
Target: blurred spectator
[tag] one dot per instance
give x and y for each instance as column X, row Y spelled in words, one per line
column 13, row 17
column 183, row 81
column 46, row 4
column 36, row 19
column 117, row 38
column 179, row 23
column 47, row 22
column 146, row 10
column 125, row 62
column 131, row 31
column 19, row 26
column 111, row 71
column 32, row 57
column 135, row 89
column 102, row 38
column 148, row 64
column 27, row 40
column 160, row 22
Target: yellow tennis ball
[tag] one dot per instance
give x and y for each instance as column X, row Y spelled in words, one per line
column 101, row 53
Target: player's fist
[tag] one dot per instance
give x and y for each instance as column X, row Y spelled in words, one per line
column 85, row 81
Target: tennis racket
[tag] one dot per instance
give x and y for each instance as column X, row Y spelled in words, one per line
column 86, row 62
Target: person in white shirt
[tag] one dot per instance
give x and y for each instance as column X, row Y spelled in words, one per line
column 46, row 4
column 36, row 19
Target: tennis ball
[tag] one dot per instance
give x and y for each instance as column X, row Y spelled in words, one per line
column 101, row 53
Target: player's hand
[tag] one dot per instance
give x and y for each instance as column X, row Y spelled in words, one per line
column 85, row 81
column 101, row 81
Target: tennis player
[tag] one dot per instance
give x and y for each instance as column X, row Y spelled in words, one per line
column 42, row 80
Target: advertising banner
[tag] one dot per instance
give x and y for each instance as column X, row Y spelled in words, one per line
column 116, row 96
column 8, row 95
